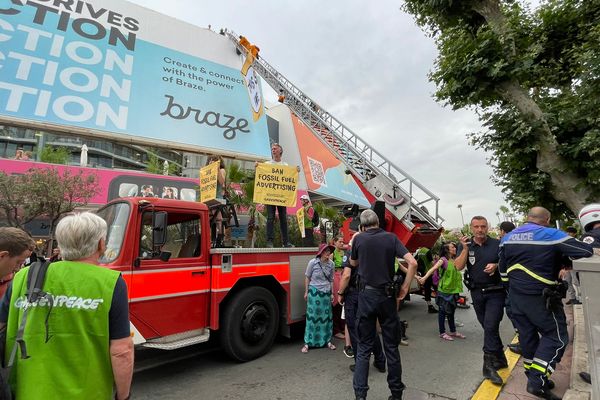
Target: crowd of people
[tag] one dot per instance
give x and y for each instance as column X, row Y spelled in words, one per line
column 520, row 273
column 352, row 291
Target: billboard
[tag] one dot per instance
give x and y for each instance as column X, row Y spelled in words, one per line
column 112, row 67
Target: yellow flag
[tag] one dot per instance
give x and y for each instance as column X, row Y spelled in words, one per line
column 300, row 217
column 208, row 182
column 275, row 185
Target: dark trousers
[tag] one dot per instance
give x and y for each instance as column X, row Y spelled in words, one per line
column 509, row 311
column 446, row 309
column 309, row 238
column 281, row 211
column 427, row 286
column 374, row 305
column 542, row 333
column 489, row 308
column 350, row 309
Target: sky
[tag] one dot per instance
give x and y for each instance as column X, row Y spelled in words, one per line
column 366, row 63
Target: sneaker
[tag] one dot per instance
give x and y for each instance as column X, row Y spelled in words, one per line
column 352, row 367
column 431, row 309
column 348, row 352
column 269, row 244
column 288, row 244
column 459, row 324
column 403, row 342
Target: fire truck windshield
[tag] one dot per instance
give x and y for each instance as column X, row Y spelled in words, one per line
column 116, row 216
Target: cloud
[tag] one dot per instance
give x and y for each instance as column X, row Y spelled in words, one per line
column 366, row 64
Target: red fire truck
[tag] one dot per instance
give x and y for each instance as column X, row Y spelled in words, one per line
column 181, row 291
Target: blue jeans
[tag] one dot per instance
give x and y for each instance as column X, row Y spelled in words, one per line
column 282, row 212
column 374, row 305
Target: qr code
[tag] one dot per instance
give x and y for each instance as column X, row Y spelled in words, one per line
column 317, row 172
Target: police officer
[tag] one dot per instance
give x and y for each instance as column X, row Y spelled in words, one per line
column 589, row 217
column 374, row 252
column 480, row 255
column 348, row 296
column 530, row 260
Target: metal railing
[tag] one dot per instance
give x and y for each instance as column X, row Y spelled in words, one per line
column 360, row 157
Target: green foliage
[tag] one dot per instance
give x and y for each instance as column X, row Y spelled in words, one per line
column 44, row 192
column 55, row 155
column 551, row 55
column 157, row 166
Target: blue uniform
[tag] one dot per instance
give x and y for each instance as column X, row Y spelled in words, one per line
column 376, row 252
column 530, row 260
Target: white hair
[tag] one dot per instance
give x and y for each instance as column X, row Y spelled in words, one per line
column 368, row 218
column 78, row 235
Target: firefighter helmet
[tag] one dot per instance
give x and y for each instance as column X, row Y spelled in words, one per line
column 589, row 215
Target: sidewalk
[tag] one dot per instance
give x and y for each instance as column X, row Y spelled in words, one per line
column 515, row 387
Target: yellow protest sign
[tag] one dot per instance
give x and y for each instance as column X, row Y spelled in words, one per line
column 208, row 182
column 275, row 185
column 300, row 218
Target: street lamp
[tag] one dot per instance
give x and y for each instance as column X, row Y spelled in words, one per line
column 462, row 218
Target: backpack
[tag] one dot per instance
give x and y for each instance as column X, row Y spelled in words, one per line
column 315, row 218
column 35, row 282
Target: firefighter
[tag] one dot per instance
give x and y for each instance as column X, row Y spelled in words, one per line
column 530, row 260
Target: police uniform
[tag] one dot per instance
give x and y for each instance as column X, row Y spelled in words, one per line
column 488, row 297
column 592, row 237
column 350, row 309
column 530, row 260
column 376, row 250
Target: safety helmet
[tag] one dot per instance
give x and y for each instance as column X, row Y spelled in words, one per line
column 589, row 215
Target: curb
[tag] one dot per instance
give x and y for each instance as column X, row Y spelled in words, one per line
column 578, row 389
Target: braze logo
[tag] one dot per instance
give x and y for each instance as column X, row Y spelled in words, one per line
column 73, row 302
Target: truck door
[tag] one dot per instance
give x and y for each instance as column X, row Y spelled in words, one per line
column 173, row 296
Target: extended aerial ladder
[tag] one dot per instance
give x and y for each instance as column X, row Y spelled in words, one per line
column 380, row 180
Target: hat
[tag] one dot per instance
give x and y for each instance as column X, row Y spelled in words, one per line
column 305, row 197
column 507, row 226
column 323, row 247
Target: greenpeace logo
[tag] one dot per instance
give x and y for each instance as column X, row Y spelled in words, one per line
column 72, row 302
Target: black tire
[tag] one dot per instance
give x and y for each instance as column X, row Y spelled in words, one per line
column 249, row 324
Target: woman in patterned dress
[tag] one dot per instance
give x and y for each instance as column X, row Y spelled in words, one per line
column 318, row 284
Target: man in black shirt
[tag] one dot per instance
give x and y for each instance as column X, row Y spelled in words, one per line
column 480, row 255
column 374, row 252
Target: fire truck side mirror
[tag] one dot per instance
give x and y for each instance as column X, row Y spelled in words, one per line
column 159, row 228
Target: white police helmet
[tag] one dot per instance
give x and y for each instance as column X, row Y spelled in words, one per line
column 589, row 215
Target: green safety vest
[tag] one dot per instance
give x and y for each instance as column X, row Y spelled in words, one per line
column 450, row 279
column 307, row 221
column 338, row 258
column 75, row 362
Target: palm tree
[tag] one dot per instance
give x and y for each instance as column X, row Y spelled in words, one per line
column 462, row 218
column 504, row 211
column 498, row 216
column 245, row 199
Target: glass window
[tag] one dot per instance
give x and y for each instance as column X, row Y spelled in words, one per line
column 116, row 216
column 183, row 236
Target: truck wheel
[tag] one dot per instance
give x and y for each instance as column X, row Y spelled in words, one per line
column 249, row 324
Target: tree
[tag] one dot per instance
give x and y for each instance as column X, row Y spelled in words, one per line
column 46, row 192
column 157, row 166
column 55, row 155
column 534, row 77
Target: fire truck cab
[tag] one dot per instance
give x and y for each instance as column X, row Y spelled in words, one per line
column 181, row 291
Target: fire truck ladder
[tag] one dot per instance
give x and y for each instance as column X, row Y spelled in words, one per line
column 404, row 196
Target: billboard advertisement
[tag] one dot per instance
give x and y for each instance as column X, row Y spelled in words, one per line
column 111, row 67
column 324, row 173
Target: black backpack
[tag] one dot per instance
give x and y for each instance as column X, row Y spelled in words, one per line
column 315, row 218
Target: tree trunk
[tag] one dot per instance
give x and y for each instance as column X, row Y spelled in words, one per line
column 567, row 186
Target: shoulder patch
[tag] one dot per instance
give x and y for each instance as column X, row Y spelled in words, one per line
column 345, row 258
column 588, row 240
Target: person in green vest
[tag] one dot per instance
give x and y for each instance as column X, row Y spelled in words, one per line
column 81, row 346
column 449, row 288
column 425, row 261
